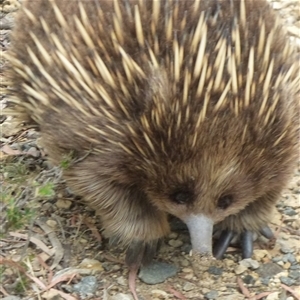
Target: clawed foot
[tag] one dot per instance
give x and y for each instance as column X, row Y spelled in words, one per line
column 246, row 238
column 138, row 253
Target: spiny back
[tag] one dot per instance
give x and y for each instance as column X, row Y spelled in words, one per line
column 132, row 77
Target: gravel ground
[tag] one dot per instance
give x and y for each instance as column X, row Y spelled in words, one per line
column 63, row 255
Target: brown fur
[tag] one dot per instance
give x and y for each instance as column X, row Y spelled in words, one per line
column 148, row 142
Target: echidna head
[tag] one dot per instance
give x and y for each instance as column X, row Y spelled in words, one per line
column 201, row 192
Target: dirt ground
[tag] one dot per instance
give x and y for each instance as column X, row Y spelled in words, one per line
column 52, row 247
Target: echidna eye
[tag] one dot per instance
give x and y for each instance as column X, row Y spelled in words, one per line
column 225, row 201
column 182, row 197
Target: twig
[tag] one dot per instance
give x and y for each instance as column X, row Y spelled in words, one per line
column 296, row 295
column 243, row 289
column 177, row 294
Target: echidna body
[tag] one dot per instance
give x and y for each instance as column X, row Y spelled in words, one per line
column 186, row 108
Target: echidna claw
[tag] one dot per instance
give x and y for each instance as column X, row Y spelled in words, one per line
column 247, row 244
column 246, row 239
column 267, row 232
column 222, row 244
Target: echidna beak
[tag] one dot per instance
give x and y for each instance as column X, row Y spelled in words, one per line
column 201, row 231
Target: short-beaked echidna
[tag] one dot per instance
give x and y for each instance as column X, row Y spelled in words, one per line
column 186, row 108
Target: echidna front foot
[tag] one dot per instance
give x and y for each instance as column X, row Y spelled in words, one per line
column 222, row 243
column 139, row 253
column 246, row 238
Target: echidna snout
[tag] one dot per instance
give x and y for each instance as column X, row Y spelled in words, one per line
column 201, row 232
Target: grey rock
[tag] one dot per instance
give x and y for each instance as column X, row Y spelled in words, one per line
column 188, row 286
column 11, row 298
column 277, row 259
column 295, row 267
column 87, row 286
column 240, row 269
column 248, row 279
column 265, row 280
column 289, row 258
column 215, row 270
column 250, row 263
column 286, row 250
column 290, row 211
column 287, row 280
column 107, row 266
column 295, row 274
column 212, row 295
column 268, row 270
column 157, row 272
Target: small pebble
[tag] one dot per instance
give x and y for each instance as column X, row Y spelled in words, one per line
column 287, row 280
column 240, row 269
column 289, row 258
column 189, row 276
column 175, row 243
column 92, row 264
column 296, row 224
column 268, row 270
column 295, row 274
column 277, row 259
column 287, row 265
column 285, row 250
column 187, row 270
column 290, row 211
column 157, row 272
column 248, row 279
column 295, row 267
column 33, row 152
column 116, row 268
column 215, row 270
column 185, row 263
column 188, row 286
column 229, row 262
column 259, row 254
column 87, row 286
column 122, row 281
column 265, row 281
column 249, row 263
column 65, row 204
column 211, row 295
column 51, row 223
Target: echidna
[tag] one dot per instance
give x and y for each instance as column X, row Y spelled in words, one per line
column 186, row 108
